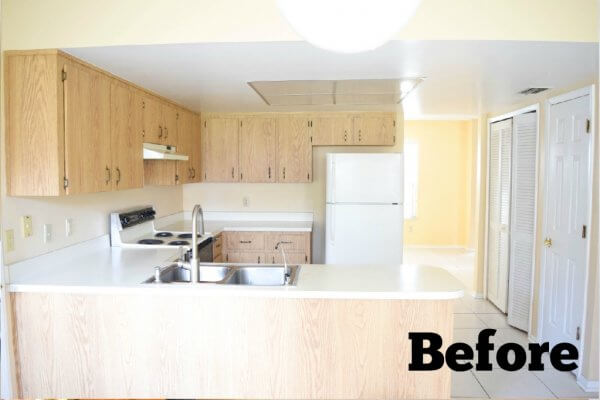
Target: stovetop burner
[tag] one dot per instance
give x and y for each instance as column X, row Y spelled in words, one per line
column 186, row 235
column 150, row 241
column 179, row 243
column 164, row 234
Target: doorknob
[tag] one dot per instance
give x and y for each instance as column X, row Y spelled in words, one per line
column 548, row 242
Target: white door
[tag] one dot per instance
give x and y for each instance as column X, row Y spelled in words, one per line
column 567, row 208
column 363, row 234
column 499, row 213
column 522, row 221
column 364, row 178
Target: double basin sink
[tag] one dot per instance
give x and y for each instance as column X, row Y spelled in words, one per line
column 227, row 274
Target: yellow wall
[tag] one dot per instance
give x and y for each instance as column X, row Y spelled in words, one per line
column 31, row 24
column 444, row 183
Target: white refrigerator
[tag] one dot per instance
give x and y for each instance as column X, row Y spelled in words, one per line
column 364, row 211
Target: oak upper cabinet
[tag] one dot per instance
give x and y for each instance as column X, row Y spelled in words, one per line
column 126, row 136
column 152, row 130
column 332, row 130
column 258, row 143
column 220, row 150
column 294, row 150
column 168, row 114
column 184, row 145
column 196, row 151
column 88, row 164
column 373, row 130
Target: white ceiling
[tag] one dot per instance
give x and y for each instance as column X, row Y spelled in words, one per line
column 462, row 77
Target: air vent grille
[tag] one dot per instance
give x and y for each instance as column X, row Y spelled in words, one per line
column 533, row 90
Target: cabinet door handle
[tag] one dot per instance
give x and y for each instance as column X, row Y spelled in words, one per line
column 246, row 241
column 189, row 173
column 269, row 172
column 285, row 242
column 233, row 172
column 193, row 172
column 345, row 136
column 283, row 172
column 259, row 259
column 107, row 175
column 160, row 131
column 359, row 135
column 143, row 133
column 118, row 175
column 166, row 132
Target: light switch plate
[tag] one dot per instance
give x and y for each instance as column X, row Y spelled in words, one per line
column 9, row 240
column 27, row 225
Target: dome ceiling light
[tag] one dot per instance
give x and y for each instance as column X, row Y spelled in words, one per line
column 347, row 26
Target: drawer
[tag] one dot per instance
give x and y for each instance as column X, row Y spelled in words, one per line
column 291, row 241
column 245, row 257
column 291, row 258
column 244, row 240
column 218, row 246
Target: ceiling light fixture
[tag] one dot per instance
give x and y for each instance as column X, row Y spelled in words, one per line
column 347, row 26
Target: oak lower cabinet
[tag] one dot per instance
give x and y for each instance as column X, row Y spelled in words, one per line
column 258, row 143
column 217, row 248
column 220, row 151
column 259, row 247
column 294, row 150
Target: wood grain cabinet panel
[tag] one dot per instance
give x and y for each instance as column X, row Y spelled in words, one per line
column 185, row 145
column 196, row 150
column 374, row 130
column 275, row 257
column 168, row 115
column 290, row 241
column 126, row 137
column 294, row 150
column 258, row 141
column 245, row 257
column 332, row 130
column 152, row 129
column 88, row 166
column 244, row 240
column 220, row 151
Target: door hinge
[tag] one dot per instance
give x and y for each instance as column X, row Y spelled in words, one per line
column 65, row 182
column 64, row 75
column 587, row 126
column 578, row 333
column 584, row 232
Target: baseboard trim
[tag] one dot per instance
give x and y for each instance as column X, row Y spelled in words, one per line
column 433, row 246
column 588, row 386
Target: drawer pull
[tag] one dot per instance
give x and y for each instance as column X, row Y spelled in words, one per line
column 246, row 241
column 285, row 242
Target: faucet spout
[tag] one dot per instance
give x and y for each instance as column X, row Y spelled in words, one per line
column 194, row 262
column 286, row 270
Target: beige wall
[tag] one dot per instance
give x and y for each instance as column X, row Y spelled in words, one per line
column 285, row 197
column 591, row 341
column 444, row 183
column 32, row 24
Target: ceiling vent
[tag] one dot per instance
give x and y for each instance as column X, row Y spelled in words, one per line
column 533, row 90
column 343, row 92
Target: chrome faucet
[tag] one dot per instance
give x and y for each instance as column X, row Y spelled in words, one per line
column 194, row 262
column 286, row 270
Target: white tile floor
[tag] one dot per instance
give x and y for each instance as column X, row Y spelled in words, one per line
column 472, row 315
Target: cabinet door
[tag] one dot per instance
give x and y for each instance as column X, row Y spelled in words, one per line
column 258, row 141
column 87, row 130
column 275, row 257
column 152, row 130
column 290, row 241
column 196, row 149
column 245, row 257
column 184, row 145
column 160, row 172
column 332, row 131
column 169, row 124
column 294, row 150
column 374, row 130
column 126, row 137
column 220, row 150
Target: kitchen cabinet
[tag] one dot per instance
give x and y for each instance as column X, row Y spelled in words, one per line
column 245, row 257
column 168, row 114
column 372, row 130
column 185, row 139
column 258, row 141
column 332, row 130
column 248, row 241
column 220, row 151
column 152, row 131
column 259, row 247
column 196, row 150
column 126, row 137
column 294, row 150
column 218, row 248
column 291, row 258
column 88, row 164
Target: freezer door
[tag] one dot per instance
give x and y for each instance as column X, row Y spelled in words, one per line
column 363, row 234
column 375, row 178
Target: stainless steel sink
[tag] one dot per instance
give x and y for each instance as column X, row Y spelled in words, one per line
column 229, row 274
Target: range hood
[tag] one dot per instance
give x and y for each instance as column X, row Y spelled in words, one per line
column 154, row 151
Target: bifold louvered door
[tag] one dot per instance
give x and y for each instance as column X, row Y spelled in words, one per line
column 499, row 213
column 522, row 221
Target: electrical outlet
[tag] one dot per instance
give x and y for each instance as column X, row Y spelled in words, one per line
column 27, row 225
column 246, row 201
column 68, row 226
column 47, row 233
column 9, row 240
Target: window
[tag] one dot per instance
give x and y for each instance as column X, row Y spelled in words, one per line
column 411, row 177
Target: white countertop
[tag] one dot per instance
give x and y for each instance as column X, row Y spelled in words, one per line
column 95, row 267
column 215, row 222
